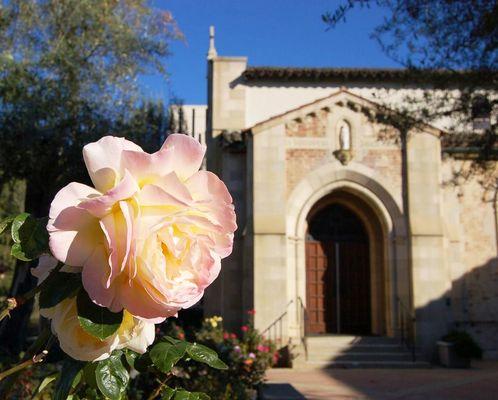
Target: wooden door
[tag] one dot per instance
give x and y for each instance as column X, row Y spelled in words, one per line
column 337, row 287
column 354, row 269
column 318, row 282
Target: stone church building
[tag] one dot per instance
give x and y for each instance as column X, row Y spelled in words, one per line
column 350, row 230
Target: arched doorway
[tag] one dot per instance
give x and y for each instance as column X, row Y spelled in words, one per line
column 344, row 268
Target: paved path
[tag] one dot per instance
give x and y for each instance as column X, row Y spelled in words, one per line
column 477, row 383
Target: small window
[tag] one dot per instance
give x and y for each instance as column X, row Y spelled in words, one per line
column 481, row 114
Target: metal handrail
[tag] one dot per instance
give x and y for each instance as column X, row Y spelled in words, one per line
column 276, row 326
column 303, row 317
column 406, row 321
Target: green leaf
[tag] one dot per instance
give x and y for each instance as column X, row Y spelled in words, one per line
column 204, row 354
column 130, row 356
column 6, row 223
column 168, row 393
column 17, row 222
column 143, row 362
column 70, row 369
column 112, row 377
column 45, row 382
column 97, row 321
column 165, row 355
column 89, row 375
column 171, row 339
column 60, row 286
column 30, row 237
column 182, row 394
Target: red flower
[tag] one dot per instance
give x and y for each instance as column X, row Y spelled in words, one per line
column 233, row 336
column 225, row 335
column 244, row 328
column 251, row 312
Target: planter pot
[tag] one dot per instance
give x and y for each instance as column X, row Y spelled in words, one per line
column 449, row 358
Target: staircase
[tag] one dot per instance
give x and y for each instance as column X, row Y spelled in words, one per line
column 345, row 351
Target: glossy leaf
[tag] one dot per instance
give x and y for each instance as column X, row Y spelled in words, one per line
column 30, row 237
column 60, row 286
column 6, row 223
column 97, row 321
column 112, row 377
column 165, row 355
column 143, row 362
column 204, row 354
column 182, row 394
column 45, row 382
column 70, row 370
column 130, row 357
column 171, row 339
column 89, row 374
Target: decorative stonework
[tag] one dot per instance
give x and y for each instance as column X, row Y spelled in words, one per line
column 345, row 153
column 344, row 156
column 313, row 124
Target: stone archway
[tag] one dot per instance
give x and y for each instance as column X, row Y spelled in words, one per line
column 345, row 267
column 389, row 232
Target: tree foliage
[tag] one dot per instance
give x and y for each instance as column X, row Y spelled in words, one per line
column 456, row 43
column 440, row 34
column 68, row 76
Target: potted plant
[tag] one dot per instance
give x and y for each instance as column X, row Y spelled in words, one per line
column 457, row 349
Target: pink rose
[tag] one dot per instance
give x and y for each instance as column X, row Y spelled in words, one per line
column 244, row 328
column 151, row 235
column 133, row 333
column 262, row 348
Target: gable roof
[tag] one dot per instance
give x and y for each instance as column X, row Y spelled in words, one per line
column 340, row 95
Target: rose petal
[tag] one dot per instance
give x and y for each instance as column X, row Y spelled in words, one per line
column 95, row 276
column 102, row 205
column 187, row 154
column 147, row 167
column 103, row 160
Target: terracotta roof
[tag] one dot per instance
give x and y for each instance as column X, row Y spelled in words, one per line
column 359, row 74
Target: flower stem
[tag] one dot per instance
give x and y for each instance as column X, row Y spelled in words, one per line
column 13, row 302
column 33, row 355
column 157, row 392
column 33, row 360
column 8, row 306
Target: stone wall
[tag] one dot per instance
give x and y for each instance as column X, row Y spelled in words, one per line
column 471, row 224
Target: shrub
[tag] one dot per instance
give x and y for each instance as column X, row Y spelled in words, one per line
column 465, row 346
column 248, row 356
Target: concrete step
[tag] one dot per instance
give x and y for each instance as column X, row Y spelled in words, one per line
column 368, row 364
column 361, row 357
column 349, row 351
column 335, row 349
column 343, row 340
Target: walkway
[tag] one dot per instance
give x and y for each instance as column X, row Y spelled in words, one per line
column 478, row 383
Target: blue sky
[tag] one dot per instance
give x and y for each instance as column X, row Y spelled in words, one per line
column 271, row 32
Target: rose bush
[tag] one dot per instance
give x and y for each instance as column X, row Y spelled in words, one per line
column 150, row 237
column 248, row 356
column 141, row 245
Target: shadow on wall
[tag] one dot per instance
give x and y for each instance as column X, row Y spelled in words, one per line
column 472, row 306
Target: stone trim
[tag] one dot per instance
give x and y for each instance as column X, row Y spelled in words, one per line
column 322, row 182
column 341, row 97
